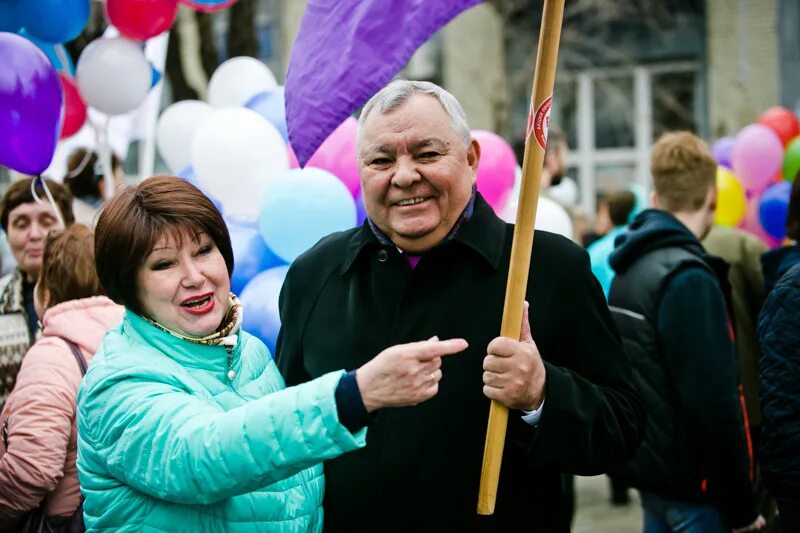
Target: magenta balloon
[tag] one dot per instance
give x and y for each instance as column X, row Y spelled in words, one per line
column 495, row 169
column 757, row 156
column 30, row 106
column 337, row 155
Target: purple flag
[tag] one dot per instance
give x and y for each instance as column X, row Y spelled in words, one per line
column 345, row 52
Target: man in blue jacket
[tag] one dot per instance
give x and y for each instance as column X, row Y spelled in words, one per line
column 693, row 468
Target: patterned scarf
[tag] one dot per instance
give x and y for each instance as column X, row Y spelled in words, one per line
column 226, row 335
column 11, row 300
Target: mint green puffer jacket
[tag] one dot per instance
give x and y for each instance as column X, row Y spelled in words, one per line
column 167, row 443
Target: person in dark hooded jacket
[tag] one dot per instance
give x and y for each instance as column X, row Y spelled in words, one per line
column 668, row 301
column 779, row 339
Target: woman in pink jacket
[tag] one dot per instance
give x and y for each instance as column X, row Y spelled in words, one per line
column 38, row 445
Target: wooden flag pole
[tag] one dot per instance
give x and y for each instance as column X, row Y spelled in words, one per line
column 536, row 141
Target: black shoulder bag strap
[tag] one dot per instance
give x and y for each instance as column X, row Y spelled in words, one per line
column 78, row 356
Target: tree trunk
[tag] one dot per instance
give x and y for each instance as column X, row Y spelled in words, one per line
column 174, row 67
column 208, row 47
column 242, row 39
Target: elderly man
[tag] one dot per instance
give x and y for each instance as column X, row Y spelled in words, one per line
column 432, row 259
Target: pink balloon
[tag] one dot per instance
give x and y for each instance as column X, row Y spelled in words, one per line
column 337, row 155
column 757, row 156
column 495, row 169
column 751, row 222
column 293, row 163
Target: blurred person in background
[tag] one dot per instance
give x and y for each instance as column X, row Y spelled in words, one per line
column 556, row 185
column 619, row 208
column 26, row 219
column 86, row 181
column 742, row 251
column 38, row 476
column 668, row 299
column 779, row 341
column 184, row 420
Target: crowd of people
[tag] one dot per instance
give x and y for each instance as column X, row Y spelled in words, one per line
column 665, row 356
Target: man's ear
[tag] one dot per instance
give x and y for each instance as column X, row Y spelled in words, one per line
column 474, row 157
column 654, row 200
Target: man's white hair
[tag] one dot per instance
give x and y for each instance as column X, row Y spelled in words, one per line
column 393, row 95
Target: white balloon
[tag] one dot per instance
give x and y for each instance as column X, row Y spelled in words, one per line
column 177, row 126
column 550, row 216
column 113, row 75
column 235, row 154
column 237, row 80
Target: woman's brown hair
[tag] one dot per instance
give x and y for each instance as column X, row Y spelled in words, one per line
column 68, row 271
column 131, row 224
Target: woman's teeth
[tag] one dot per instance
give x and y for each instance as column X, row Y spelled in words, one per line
column 198, row 303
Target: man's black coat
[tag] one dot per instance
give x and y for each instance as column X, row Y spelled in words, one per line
column 350, row 297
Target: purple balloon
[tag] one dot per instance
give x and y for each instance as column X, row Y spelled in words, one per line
column 722, row 150
column 30, row 106
column 757, row 156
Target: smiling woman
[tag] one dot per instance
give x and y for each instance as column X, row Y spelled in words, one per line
column 26, row 222
column 183, row 416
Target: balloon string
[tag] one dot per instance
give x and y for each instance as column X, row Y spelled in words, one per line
column 50, row 199
column 82, row 165
column 62, row 58
column 104, row 149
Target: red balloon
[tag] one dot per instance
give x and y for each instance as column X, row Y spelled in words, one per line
column 74, row 107
column 781, row 121
column 141, row 19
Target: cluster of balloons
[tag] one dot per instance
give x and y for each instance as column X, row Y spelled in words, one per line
column 234, row 147
column 755, row 174
column 43, row 98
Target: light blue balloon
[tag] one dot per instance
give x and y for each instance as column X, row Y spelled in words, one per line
column 272, row 106
column 260, row 302
column 54, row 21
column 188, row 174
column 250, row 255
column 300, row 207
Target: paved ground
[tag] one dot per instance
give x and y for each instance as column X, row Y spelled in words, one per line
column 596, row 515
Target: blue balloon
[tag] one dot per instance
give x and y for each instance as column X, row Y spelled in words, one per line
column 272, row 106
column 54, row 21
column 260, row 302
column 251, row 256
column 300, row 207
column 9, row 16
column 774, row 207
column 56, row 53
column 156, row 76
column 188, row 174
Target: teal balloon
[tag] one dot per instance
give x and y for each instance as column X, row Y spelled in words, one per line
column 260, row 305
column 54, row 21
column 300, row 207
